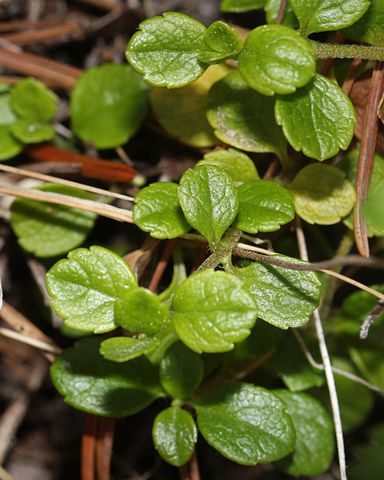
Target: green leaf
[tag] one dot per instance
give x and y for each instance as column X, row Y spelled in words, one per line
column 272, row 8
column 85, row 287
column 285, row 298
column 166, row 50
column 322, row 194
column 9, row 145
column 174, row 435
column 28, row 131
column 368, row 461
column 122, row 349
column 223, row 41
column 97, row 386
column 181, row 111
column 212, row 311
column 33, row 101
column 325, row 15
column 141, row 311
column 276, row 59
column 243, row 118
column 325, row 114
column 7, row 115
column 48, row 230
column 369, row 28
column 181, row 371
column 246, row 424
column 108, row 104
column 157, row 211
column 208, row 198
column 314, row 447
column 238, row 164
column 263, row 206
column 237, row 6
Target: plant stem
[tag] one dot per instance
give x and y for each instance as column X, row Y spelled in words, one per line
column 333, row 50
column 224, row 250
column 190, row 471
column 280, row 14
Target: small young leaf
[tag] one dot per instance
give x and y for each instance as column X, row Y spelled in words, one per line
column 97, row 386
column 108, row 105
column 237, row 6
column 85, row 287
column 212, row 311
column 238, row 164
column 28, row 131
column 272, row 8
column 181, row 111
column 157, row 211
column 33, row 101
column 122, row 349
column 370, row 27
column 9, row 145
column 174, row 435
column 246, row 424
column 166, row 50
column 325, row 114
column 208, row 198
column 243, row 118
column 263, row 206
column 322, row 194
column 7, row 115
column 141, row 311
column 276, row 59
column 49, row 230
column 223, row 41
column 285, row 298
column 324, row 15
column 181, row 371
column 314, row 447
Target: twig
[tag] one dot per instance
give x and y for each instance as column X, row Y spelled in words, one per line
column 280, row 13
column 372, row 316
column 4, row 475
column 327, row 369
column 161, row 266
column 45, row 347
column 88, row 447
column 351, row 76
column 190, row 471
column 106, row 428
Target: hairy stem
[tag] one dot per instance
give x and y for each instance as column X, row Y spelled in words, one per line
column 334, row 50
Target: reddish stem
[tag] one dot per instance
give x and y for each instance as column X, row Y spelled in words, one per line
column 105, row 434
column 161, row 266
column 88, row 448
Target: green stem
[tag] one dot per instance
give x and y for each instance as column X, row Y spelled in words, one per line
column 223, row 252
column 335, row 50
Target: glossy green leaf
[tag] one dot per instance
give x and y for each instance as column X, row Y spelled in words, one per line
column 141, row 311
column 285, row 298
column 9, row 145
column 7, row 115
column 325, row 114
column 238, row 164
column 122, row 349
column 272, row 8
column 325, row 15
column 108, row 104
column 322, row 194
column 32, row 132
column 48, row 230
column 33, row 101
column 181, row 371
column 94, row 385
column 237, row 6
column 174, row 435
column 181, row 111
column 276, row 59
column 370, row 27
column 243, row 118
column 157, row 211
column 263, row 206
column 315, row 443
column 368, row 459
column 167, row 48
column 208, row 198
column 246, row 424
column 212, row 311
column 85, row 287
column 223, row 41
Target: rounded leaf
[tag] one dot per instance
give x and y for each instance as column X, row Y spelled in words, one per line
column 325, row 115
column 237, row 6
column 122, row 349
column 174, row 434
column 212, row 311
column 263, row 206
column 48, row 230
column 370, row 27
column 7, row 115
column 108, row 105
column 9, row 145
column 246, row 424
column 276, row 59
column 223, row 41
column 85, row 287
column 97, row 386
column 208, row 198
column 28, row 131
column 322, row 194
